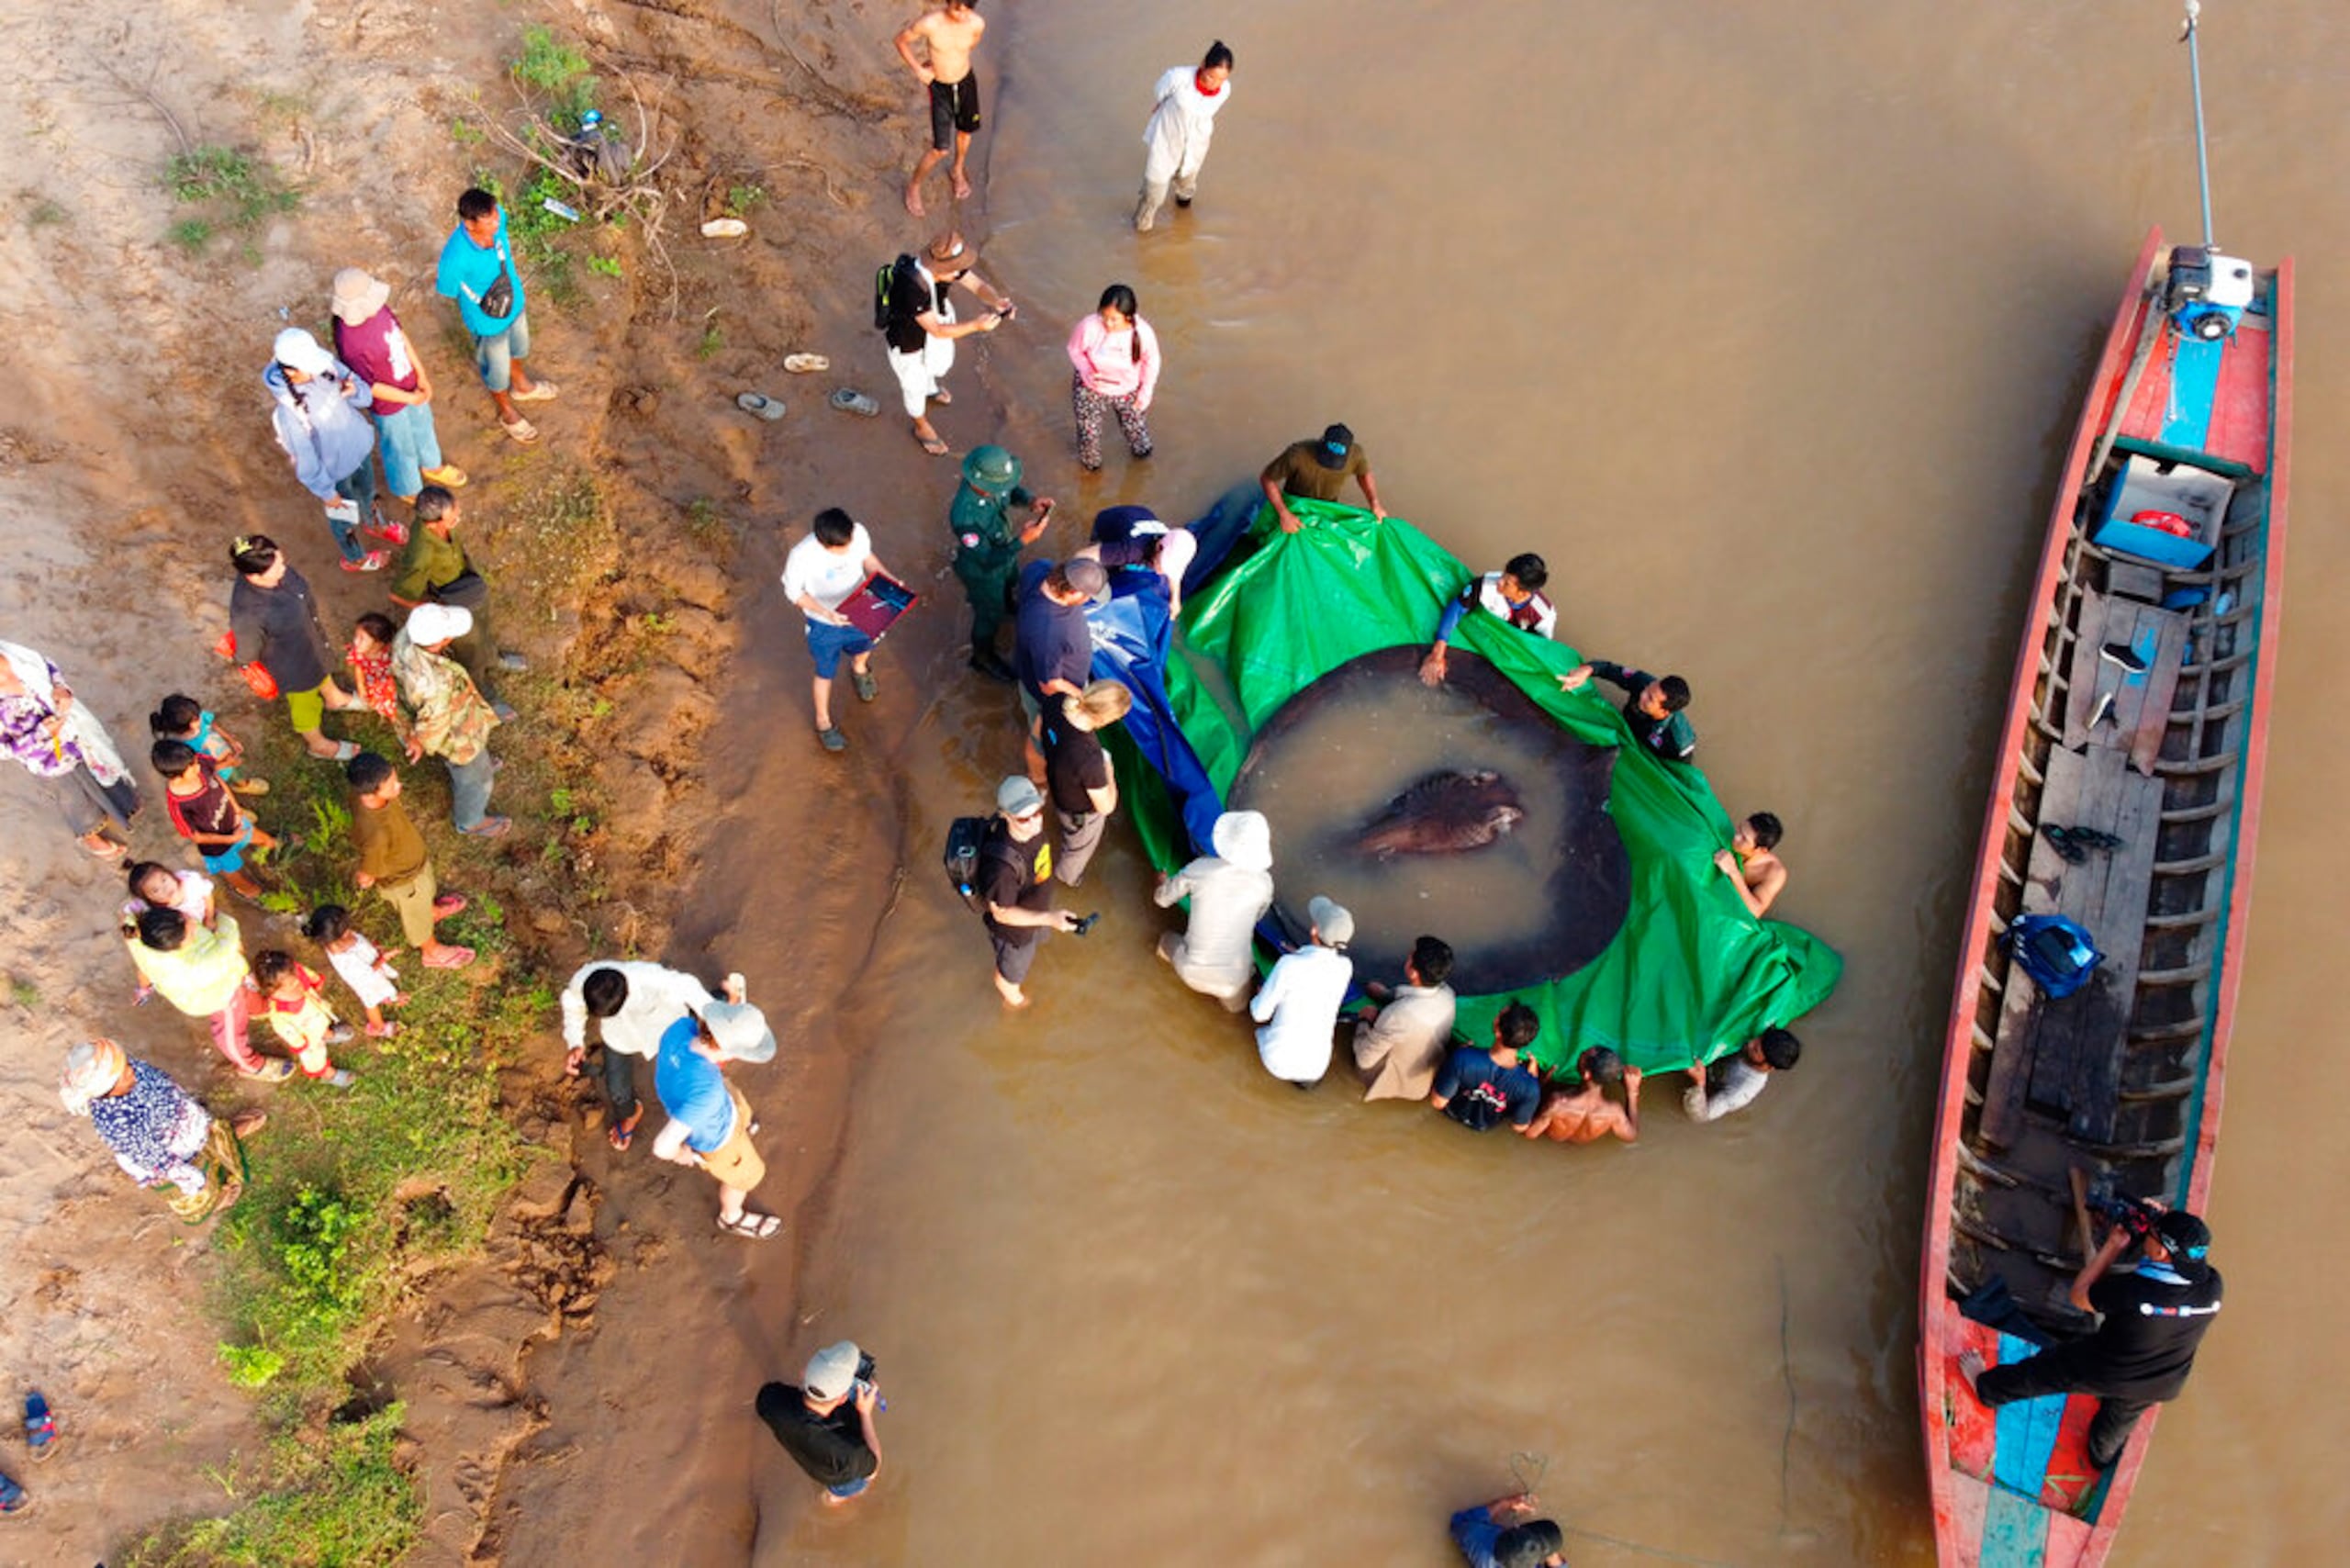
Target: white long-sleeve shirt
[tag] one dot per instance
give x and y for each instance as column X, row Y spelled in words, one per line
column 1182, row 121
column 1298, row 1007
column 1742, row 1081
column 1219, row 954
column 657, row 997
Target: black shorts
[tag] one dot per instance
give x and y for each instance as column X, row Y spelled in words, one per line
column 1015, row 959
column 953, row 106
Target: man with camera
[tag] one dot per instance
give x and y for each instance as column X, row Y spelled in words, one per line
column 2153, row 1320
column 826, row 1424
column 1015, row 878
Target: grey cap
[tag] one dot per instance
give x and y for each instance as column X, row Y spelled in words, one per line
column 1015, row 797
column 1332, row 919
column 741, row 1031
column 1086, row 575
column 832, row 1371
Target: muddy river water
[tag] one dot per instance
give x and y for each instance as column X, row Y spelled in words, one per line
column 1767, row 325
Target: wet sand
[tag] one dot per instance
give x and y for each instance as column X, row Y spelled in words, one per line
column 1773, row 362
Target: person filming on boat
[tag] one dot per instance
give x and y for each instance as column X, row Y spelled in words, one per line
column 2153, row 1320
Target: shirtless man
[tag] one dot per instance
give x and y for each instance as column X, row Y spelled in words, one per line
column 1584, row 1114
column 1752, row 865
column 949, row 34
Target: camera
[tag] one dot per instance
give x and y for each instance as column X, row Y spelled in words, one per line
column 1086, row 924
column 2136, row 1219
column 865, row 1367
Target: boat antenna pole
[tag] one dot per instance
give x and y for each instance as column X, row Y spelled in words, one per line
column 2202, row 157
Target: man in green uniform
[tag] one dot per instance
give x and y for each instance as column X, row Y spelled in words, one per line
column 987, row 546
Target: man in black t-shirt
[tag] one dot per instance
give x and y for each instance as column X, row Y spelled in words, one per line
column 1015, row 878
column 2152, row 1323
column 826, row 1424
column 1077, row 772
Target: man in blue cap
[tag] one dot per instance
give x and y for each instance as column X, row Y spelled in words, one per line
column 987, row 546
column 1318, row 470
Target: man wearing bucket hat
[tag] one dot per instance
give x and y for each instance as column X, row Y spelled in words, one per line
column 1318, row 470
column 1230, row 891
column 987, row 546
column 709, row 1122
column 826, row 1424
column 155, row 1129
column 1298, row 1004
column 1015, row 878
column 2152, row 1321
column 368, row 337
column 448, row 717
column 317, row 421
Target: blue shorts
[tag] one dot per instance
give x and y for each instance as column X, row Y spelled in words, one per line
column 495, row 355
column 851, row 1488
column 827, row 644
column 232, row 859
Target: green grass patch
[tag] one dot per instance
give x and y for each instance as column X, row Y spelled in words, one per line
column 333, row 1495
column 231, row 191
column 556, row 71
column 542, row 240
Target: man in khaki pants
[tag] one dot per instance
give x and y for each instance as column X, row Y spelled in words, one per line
column 709, row 1122
column 392, row 861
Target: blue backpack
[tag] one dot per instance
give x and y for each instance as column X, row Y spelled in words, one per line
column 2057, row 953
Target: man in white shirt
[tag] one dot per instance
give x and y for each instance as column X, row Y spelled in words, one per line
column 1182, row 119
column 1230, row 891
column 634, row 1003
column 1743, row 1076
column 823, row 572
column 1403, row 1039
column 1298, row 1004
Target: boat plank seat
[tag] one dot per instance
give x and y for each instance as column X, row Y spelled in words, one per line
column 2067, row 1055
column 2128, row 580
column 2140, row 701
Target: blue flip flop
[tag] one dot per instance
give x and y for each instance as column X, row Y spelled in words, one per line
column 14, row 1499
column 41, row 1426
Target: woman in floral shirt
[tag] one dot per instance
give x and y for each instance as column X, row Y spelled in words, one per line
column 61, row 743
column 157, row 1131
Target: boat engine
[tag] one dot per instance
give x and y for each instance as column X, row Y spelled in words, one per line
column 2208, row 292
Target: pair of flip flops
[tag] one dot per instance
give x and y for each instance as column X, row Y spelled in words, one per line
column 761, row 406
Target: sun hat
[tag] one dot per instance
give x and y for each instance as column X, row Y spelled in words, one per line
column 741, row 1031
column 429, row 624
column 296, row 349
column 358, row 295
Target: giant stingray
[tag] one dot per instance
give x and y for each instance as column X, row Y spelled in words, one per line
column 1388, row 829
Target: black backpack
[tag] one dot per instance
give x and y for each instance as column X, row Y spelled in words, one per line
column 965, row 843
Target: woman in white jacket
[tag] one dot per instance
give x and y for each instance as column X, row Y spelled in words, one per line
column 1189, row 99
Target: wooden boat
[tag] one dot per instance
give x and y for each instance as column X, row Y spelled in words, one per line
column 2140, row 709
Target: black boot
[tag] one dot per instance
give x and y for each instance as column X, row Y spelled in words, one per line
column 985, row 660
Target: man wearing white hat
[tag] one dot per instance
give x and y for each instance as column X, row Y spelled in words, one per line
column 448, row 715
column 1298, row 1004
column 368, row 337
column 709, row 1122
column 826, row 1424
column 318, row 421
column 1230, row 891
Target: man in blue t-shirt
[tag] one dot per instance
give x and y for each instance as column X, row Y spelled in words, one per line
column 477, row 270
column 709, row 1122
column 1486, row 1542
column 1478, row 1089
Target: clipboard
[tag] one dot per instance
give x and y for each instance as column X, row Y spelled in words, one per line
column 874, row 607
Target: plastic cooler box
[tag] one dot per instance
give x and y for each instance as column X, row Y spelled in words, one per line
column 2150, row 485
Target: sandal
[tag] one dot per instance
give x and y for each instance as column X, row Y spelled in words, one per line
column 489, row 827
column 345, row 750
column 15, row 1501
column 101, row 846
column 522, row 430
column 540, row 392
column 849, row 401
column 383, row 1031
column 274, row 1069
column 760, row 405
column 620, row 1135
column 255, row 786
column 751, row 1226
column 450, row 958
column 448, row 904
column 805, row 363
column 935, row 445
column 41, row 1426
column 868, row 688
column 725, row 229
column 832, row 739
column 248, row 1124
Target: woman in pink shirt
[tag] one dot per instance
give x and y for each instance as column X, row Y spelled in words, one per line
column 1116, row 356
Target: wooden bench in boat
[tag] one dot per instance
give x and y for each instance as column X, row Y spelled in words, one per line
column 2140, row 706
column 2066, row 1055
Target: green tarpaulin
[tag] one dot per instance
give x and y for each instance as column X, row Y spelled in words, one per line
column 1692, row 974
